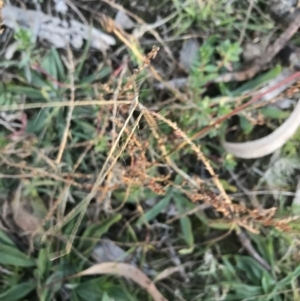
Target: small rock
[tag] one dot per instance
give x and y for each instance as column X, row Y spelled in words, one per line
column 281, row 9
column 61, row 6
column 251, row 52
column 188, row 53
column 123, row 20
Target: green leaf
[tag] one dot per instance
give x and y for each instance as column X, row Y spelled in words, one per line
column 55, row 281
column 89, row 291
column 25, row 37
column 229, row 271
column 101, row 144
column 220, row 225
column 227, row 186
column 42, row 262
column 229, row 51
column 274, row 112
column 155, row 210
column 37, row 123
column 105, row 71
column 25, row 59
column 42, row 120
column 83, row 57
column 267, row 283
column 211, row 68
column 105, row 297
column 59, row 65
column 7, row 64
column 96, row 231
column 19, row 291
column 250, row 268
column 186, row 251
column 48, row 64
column 287, row 280
column 259, row 81
column 12, row 256
column 185, row 222
column 244, row 290
column 28, row 91
column 245, row 124
column 37, row 80
column 4, row 238
column 191, row 11
column 265, row 247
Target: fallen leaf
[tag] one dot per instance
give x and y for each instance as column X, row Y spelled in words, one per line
column 25, row 220
column 126, row 270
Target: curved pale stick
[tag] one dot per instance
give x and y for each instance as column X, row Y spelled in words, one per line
column 267, row 145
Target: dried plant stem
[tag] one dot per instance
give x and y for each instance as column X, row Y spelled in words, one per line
column 153, row 126
column 61, row 104
column 199, row 154
column 125, row 38
column 149, row 27
column 106, row 168
column 71, row 108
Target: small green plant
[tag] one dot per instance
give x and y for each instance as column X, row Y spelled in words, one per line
column 208, row 12
column 212, row 56
column 25, row 39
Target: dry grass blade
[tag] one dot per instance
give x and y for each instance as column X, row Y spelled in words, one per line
column 153, row 126
column 107, row 166
column 71, row 108
column 26, row 221
column 168, row 272
column 125, row 270
column 1, row 18
column 61, row 104
column 197, row 151
column 109, row 25
column 142, row 22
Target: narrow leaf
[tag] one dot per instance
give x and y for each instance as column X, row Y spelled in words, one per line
column 185, row 222
column 19, row 291
column 5, row 239
column 246, row 125
column 155, row 210
column 97, row 230
column 12, row 256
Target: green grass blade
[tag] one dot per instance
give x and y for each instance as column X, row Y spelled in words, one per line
column 185, row 222
column 155, row 210
column 96, row 231
column 19, row 291
column 12, row 256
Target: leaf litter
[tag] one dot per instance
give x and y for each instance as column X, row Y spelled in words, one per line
column 54, row 30
column 126, row 270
